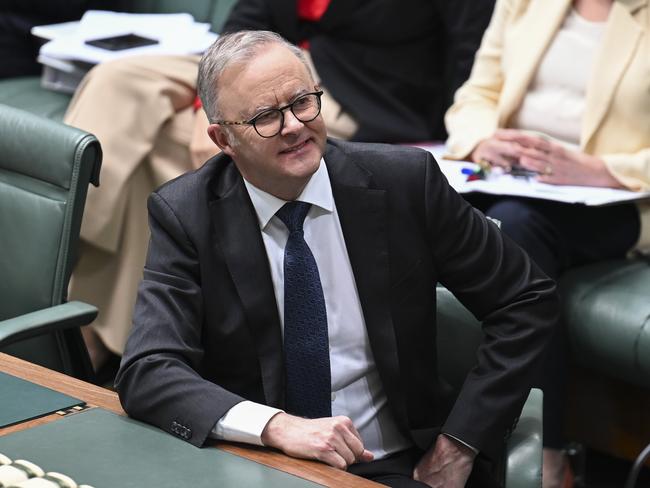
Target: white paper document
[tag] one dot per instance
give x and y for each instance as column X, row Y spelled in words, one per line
column 505, row 184
column 177, row 34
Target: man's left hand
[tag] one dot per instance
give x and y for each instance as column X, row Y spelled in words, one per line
column 447, row 464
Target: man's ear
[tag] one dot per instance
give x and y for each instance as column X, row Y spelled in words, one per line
column 220, row 138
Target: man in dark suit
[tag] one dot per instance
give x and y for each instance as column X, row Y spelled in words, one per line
column 317, row 337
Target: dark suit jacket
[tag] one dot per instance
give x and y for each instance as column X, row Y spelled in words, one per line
column 206, row 329
column 393, row 65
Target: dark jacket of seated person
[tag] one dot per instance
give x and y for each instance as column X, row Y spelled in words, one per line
column 225, row 294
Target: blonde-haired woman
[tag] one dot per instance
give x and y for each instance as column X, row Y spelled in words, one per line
column 562, row 88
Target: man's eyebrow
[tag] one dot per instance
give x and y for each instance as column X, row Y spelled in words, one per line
column 261, row 108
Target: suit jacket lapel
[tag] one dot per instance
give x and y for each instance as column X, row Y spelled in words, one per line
column 237, row 236
column 363, row 214
column 619, row 44
column 531, row 38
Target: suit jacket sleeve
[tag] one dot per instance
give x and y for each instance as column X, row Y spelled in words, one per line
column 632, row 170
column 158, row 380
column 516, row 302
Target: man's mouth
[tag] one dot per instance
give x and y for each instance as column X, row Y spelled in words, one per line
column 295, row 148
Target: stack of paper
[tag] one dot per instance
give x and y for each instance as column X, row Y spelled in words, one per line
column 500, row 183
column 67, row 56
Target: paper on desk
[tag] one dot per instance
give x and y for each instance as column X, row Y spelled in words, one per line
column 52, row 31
column 504, row 184
column 176, row 34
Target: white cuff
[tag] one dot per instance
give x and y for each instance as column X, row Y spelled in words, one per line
column 244, row 423
column 476, row 451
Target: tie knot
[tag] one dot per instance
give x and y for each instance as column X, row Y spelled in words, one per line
column 293, row 214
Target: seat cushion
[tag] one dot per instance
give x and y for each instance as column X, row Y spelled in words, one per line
column 607, row 309
column 26, row 93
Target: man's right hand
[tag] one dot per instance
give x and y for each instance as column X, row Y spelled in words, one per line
column 332, row 440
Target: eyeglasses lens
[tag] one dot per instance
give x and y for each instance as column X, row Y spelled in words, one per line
column 305, row 109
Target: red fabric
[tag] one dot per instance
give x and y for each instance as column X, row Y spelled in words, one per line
column 312, row 10
column 197, row 105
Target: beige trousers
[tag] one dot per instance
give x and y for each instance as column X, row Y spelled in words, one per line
column 140, row 109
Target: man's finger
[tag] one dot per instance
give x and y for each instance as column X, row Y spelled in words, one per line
column 353, row 440
column 339, row 443
column 333, row 458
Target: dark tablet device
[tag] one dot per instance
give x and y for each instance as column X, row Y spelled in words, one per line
column 119, row 43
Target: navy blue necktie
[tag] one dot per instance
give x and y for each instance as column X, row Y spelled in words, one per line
column 306, row 343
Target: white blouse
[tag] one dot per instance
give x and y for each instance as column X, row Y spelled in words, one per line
column 555, row 101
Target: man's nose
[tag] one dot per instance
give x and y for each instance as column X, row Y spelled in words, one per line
column 291, row 123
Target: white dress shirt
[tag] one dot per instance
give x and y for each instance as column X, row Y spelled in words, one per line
column 357, row 391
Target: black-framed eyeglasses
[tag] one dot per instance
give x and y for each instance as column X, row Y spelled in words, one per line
column 270, row 122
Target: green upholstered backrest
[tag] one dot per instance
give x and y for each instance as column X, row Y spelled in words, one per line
column 459, row 335
column 45, row 168
column 26, row 93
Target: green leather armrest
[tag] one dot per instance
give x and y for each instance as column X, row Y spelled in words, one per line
column 59, row 317
column 524, row 448
column 607, row 312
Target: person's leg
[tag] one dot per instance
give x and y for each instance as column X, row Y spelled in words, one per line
column 109, row 280
column 558, row 236
column 395, row 471
column 127, row 104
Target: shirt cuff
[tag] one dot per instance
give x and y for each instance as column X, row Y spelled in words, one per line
column 244, row 423
column 476, row 451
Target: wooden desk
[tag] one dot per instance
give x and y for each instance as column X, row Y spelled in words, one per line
column 101, row 397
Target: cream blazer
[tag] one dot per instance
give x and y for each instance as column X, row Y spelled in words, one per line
column 616, row 122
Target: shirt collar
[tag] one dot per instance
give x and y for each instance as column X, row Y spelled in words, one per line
column 318, row 192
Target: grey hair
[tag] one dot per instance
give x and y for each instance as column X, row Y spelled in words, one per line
column 229, row 49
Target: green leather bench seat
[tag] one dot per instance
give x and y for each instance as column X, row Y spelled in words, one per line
column 607, row 309
column 26, row 93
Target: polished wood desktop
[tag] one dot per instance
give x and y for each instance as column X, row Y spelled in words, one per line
column 96, row 396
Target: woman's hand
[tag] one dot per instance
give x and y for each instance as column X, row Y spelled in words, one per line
column 498, row 151
column 554, row 163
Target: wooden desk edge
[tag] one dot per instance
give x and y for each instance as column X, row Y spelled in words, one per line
column 101, row 397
